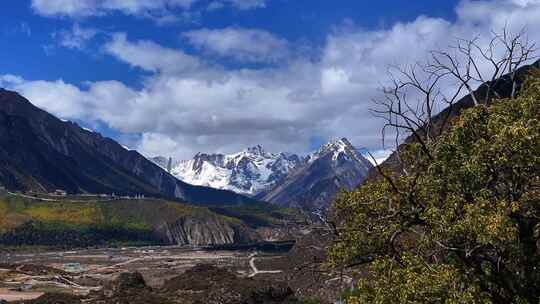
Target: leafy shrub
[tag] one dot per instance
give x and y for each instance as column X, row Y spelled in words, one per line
column 464, row 225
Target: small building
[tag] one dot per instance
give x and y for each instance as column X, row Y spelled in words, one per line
column 60, row 192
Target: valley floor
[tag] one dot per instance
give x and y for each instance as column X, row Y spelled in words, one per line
column 27, row 275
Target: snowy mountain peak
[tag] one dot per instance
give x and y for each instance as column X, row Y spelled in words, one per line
column 338, row 145
column 336, row 165
column 338, row 149
column 258, row 150
column 256, row 172
column 248, row 172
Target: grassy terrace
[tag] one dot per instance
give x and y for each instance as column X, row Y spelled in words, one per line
column 72, row 221
column 30, row 221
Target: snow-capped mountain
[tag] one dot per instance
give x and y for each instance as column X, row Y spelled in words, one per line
column 339, row 150
column 248, row 172
column 335, row 166
column 285, row 179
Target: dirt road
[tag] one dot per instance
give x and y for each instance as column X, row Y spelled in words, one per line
column 254, row 270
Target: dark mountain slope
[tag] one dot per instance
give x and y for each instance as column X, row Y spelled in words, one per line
column 39, row 152
column 336, row 166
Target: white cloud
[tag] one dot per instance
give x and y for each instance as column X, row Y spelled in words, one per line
column 65, row 7
column 22, row 28
column 237, row 4
column 46, row 94
column 150, row 56
column 215, row 5
column 162, row 11
column 25, row 29
column 247, row 45
column 152, row 144
column 186, row 105
column 75, row 38
column 498, row 13
column 9, row 79
column 247, row 4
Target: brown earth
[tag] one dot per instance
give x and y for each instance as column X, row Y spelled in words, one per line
column 180, row 275
column 202, row 284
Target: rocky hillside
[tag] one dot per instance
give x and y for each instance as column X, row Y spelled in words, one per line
column 313, row 186
column 39, row 152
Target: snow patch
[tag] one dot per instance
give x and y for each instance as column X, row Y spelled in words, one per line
column 246, row 172
column 254, row 170
column 379, row 155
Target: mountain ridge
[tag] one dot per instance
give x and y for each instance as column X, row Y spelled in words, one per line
column 270, row 176
column 39, row 152
column 247, row 172
column 335, row 166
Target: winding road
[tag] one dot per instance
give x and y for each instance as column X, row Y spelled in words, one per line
column 254, row 269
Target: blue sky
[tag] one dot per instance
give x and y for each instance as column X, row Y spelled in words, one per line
column 29, row 50
column 175, row 77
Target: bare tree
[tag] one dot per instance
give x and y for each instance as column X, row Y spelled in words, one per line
column 419, row 91
column 409, row 104
column 473, row 63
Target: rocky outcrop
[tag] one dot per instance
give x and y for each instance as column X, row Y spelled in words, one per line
column 214, row 231
column 200, row 232
column 209, row 284
column 186, row 231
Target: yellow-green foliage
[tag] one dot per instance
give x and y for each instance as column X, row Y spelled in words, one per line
column 440, row 283
column 146, row 214
column 68, row 213
column 129, row 214
column 9, row 218
column 462, row 227
column 5, row 219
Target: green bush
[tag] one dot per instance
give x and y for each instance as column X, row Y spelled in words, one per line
column 462, row 227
